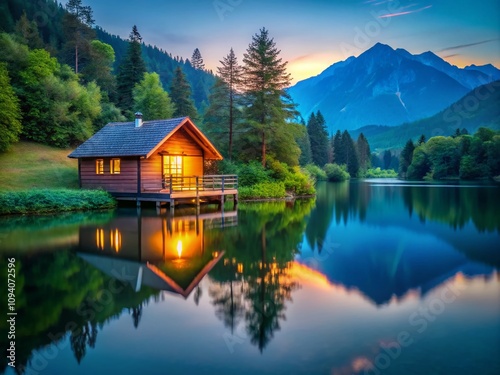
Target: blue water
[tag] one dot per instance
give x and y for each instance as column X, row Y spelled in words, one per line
column 368, row 278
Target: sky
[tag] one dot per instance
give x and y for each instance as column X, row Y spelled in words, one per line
column 311, row 35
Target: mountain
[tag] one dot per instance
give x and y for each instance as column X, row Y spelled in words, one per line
column 383, row 86
column 477, row 108
column 469, row 78
column 487, row 69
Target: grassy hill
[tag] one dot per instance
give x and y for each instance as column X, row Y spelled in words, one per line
column 30, row 165
column 476, row 109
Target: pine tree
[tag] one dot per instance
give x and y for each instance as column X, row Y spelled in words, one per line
column 350, row 154
column 218, row 114
column 28, row 33
column 387, row 158
column 231, row 74
column 338, row 153
column 421, row 140
column 268, row 105
column 364, row 153
column 78, row 24
column 130, row 72
column 405, row 158
column 180, row 93
column 197, row 60
column 318, row 138
column 304, row 145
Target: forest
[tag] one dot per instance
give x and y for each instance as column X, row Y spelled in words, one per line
column 459, row 156
column 64, row 78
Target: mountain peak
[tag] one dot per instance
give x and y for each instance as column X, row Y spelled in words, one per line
column 380, row 48
column 385, row 86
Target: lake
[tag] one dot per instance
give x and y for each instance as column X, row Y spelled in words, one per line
column 371, row 277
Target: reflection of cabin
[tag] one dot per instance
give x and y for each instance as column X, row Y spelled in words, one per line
column 160, row 160
column 158, row 251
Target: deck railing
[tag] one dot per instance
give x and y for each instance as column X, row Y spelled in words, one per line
column 200, row 183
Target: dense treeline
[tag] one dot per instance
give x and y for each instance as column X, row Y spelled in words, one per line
column 50, row 20
column 459, row 156
column 64, row 81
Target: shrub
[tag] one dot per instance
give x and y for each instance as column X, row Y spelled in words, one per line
column 299, row 183
column 380, row 173
column 53, row 200
column 252, row 173
column 336, row 172
column 278, row 170
column 316, row 172
column 263, row 190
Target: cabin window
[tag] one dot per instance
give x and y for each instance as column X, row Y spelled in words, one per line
column 172, row 165
column 115, row 166
column 99, row 166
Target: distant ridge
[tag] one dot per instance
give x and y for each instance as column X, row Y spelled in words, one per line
column 480, row 107
column 388, row 87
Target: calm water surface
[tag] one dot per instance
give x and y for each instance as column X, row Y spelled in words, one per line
column 372, row 277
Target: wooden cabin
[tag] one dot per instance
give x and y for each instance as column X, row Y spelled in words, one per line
column 159, row 160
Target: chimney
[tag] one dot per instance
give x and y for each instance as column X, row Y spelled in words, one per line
column 138, row 119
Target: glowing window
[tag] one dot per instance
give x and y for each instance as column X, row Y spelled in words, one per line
column 114, row 166
column 116, row 240
column 99, row 237
column 172, row 165
column 99, row 166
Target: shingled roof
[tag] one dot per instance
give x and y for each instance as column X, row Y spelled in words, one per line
column 118, row 139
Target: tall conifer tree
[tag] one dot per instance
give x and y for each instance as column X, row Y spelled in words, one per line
column 230, row 73
column 364, row 153
column 268, row 105
column 130, row 72
column 350, row 154
column 405, row 158
column 180, row 93
column 318, row 138
column 78, row 24
column 338, row 152
column 197, row 60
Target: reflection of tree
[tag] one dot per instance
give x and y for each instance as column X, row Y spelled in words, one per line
column 136, row 315
column 321, row 215
column 57, row 293
column 254, row 283
column 267, row 295
column 197, row 295
column 227, row 299
column 455, row 206
column 343, row 200
column 84, row 336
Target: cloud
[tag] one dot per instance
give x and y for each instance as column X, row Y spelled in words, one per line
column 405, row 13
column 466, row 45
column 452, row 55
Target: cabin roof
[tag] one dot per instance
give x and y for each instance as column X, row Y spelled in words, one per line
column 118, row 139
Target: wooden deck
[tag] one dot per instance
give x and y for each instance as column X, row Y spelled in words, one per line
column 187, row 189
